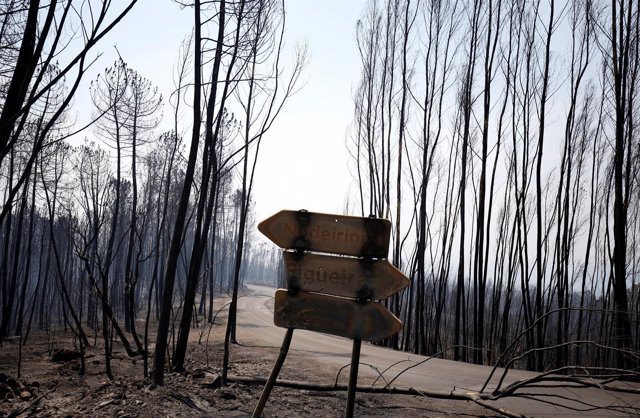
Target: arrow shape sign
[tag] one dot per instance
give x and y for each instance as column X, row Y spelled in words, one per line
column 343, row 276
column 369, row 321
column 347, row 235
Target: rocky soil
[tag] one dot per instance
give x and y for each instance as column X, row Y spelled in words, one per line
column 49, row 384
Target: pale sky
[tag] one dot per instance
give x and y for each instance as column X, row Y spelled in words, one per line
column 303, row 161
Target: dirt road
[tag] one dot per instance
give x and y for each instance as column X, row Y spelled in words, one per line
column 255, row 321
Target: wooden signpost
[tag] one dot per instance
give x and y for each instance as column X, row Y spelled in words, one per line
column 342, row 276
column 349, row 318
column 333, row 294
column 337, row 234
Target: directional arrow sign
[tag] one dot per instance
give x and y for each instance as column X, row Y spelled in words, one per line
column 369, row 321
column 343, row 276
column 310, row 277
column 348, row 235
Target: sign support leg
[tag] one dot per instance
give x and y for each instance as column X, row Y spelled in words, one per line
column 284, row 349
column 353, row 377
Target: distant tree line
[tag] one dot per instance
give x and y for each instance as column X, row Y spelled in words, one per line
column 501, row 138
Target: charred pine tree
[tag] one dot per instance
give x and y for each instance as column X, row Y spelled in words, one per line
column 624, row 59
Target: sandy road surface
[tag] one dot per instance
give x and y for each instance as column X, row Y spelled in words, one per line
column 255, row 324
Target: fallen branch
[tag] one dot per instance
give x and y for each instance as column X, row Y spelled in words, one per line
column 20, row 411
column 186, row 400
column 586, row 380
column 508, row 359
column 478, row 398
column 584, row 406
column 371, row 366
column 416, row 364
column 106, row 403
column 324, row 387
